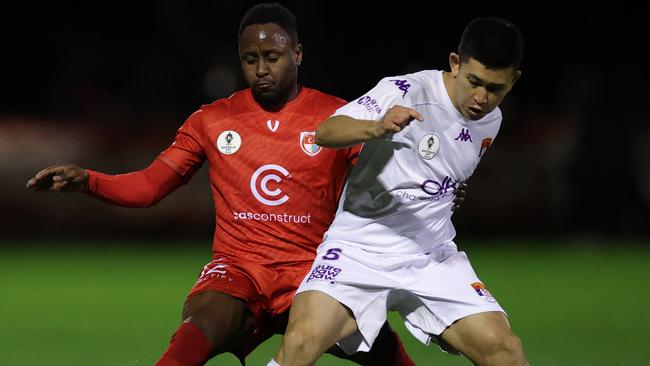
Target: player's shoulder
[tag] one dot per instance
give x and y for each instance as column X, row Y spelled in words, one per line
column 418, row 77
column 317, row 100
column 236, row 103
column 417, row 87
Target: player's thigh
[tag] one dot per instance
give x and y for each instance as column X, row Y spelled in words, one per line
column 222, row 317
column 319, row 318
column 478, row 334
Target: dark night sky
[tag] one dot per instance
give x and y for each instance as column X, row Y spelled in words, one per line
column 110, row 44
column 573, row 133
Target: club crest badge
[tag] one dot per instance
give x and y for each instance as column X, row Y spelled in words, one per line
column 228, row 142
column 482, row 291
column 308, row 143
column 484, row 146
column 429, row 146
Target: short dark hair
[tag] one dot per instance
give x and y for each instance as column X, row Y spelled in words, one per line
column 271, row 13
column 494, row 42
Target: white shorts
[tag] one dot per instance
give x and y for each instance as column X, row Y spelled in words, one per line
column 430, row 290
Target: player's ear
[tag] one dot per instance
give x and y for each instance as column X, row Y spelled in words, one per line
column 454, row 63
column 515, row 77
column 298, row 54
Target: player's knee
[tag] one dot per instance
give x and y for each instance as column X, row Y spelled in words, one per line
column 220, row 317
column 299, row 340
column 503, row 349
column 511, row 346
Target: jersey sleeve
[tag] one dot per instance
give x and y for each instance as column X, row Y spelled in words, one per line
column 186, row 154
column 374, row 104
column 352, row 153
column 143, row 188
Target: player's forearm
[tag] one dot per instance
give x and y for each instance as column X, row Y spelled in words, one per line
column 142, row 189
column 344, row 131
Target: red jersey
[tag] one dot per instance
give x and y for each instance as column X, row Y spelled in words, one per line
column 275, row 191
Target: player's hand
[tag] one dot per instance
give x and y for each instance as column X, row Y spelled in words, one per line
column 460, row 193
column 397, row 118
column 60, row 177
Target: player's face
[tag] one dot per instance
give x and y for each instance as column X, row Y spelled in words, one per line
column 269, row 60
column 478, row 90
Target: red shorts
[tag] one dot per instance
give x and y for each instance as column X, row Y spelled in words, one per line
column 267, row 292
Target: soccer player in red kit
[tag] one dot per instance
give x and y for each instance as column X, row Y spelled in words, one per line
column 275, row 193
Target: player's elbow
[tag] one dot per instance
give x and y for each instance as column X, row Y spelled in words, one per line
column 155, row 197
column 141, row 201
column 153, row 201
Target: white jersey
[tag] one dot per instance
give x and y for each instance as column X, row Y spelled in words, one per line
column 398, row 198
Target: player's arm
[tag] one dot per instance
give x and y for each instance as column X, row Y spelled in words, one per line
column 142, row 188
column 342, row 131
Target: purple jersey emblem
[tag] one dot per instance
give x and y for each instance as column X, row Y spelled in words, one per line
column 464, row 135
column 436, row 189
column 403, row 86
column 370, row 104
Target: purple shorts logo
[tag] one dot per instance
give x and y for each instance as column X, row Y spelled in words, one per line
column 324, row 272
column 332, row 254
column 370, row 104
column 437, row 189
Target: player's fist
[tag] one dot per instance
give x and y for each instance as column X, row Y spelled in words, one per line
column 460, row 192
column 60, row 177
column 397, row 118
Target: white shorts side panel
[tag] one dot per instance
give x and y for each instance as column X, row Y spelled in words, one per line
column 430, row 290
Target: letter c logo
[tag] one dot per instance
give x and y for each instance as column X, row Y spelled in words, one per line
column 265, row 174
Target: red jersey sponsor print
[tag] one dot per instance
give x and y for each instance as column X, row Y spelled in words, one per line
column 275, row 191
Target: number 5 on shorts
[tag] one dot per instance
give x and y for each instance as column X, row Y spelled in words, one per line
column 332, row 254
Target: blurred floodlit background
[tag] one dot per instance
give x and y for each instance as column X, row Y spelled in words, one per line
column 106, row 86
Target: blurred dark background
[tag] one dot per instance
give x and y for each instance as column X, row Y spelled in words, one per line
column 106, row 86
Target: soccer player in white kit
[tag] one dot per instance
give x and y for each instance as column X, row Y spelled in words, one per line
column 391, row 245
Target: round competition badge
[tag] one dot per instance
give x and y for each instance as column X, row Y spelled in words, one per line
column 429, row 146
column 228, row 142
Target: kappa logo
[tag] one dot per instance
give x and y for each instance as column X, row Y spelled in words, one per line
column 308, row 143
column 464, row 135
column 273, row 127
column 402, row 85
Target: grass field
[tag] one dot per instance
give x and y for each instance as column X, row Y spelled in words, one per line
column 79, row 303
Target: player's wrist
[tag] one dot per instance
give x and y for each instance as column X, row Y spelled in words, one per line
column 86, row 182
column 379, row 131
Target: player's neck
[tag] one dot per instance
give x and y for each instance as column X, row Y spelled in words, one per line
column 448, row 81
column 276, row 105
